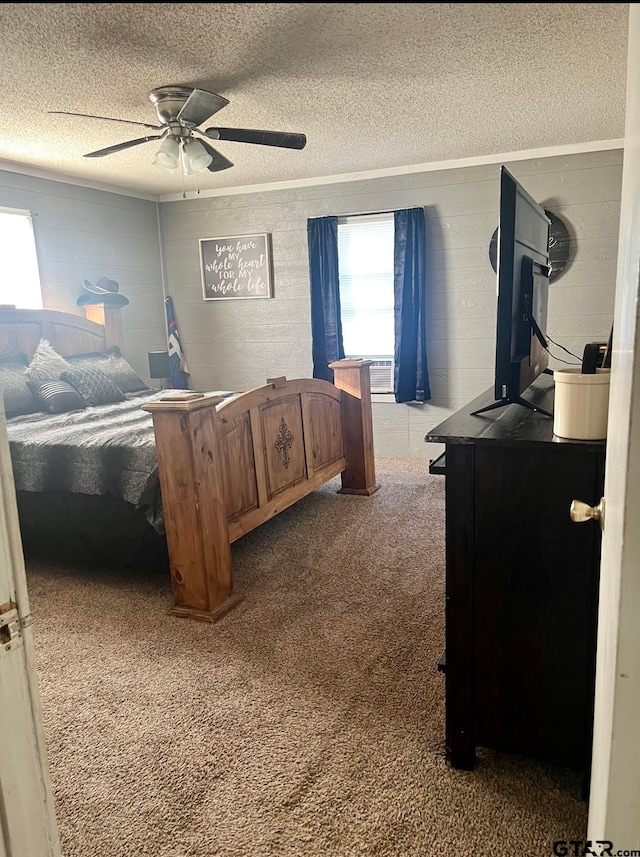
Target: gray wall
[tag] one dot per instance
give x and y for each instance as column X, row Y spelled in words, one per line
column 83, row 233
column 238, row 344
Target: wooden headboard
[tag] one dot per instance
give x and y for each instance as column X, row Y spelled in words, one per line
column 22, row 329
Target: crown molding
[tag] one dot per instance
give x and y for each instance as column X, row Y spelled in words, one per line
column 432, row 166
column 51, row 175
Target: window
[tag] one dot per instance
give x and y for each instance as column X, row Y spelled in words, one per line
column 368, row 280
column 19, row 274
column 365, row 264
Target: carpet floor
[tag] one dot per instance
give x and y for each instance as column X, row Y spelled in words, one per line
column 310, row 721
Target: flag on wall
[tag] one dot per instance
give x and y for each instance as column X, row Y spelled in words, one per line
column 177, row 363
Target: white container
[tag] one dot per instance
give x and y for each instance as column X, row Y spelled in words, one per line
column 581, row 404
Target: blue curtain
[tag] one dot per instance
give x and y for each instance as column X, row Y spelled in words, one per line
column 411, row 377
column 326, row 324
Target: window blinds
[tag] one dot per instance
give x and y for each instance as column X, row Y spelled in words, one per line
column 365, row 264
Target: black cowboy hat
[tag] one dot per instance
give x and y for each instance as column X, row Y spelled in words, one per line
column 105, row 291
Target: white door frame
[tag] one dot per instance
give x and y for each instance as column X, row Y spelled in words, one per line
column 614, row 806
column 27, row 815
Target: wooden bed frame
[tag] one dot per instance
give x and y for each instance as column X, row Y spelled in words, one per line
column 228, row 465
column 22, row 329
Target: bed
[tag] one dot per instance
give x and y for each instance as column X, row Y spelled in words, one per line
column 193, row 472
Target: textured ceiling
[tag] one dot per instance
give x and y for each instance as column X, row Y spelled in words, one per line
column 372, row 85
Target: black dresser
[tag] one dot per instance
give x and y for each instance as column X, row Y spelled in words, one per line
column 521, row 583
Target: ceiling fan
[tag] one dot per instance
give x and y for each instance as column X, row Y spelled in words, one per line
column 180, row 111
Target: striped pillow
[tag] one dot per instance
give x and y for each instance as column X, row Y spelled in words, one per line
column 57, row 397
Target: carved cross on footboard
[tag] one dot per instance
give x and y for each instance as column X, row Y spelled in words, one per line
column 228, row 465
column 283, row 442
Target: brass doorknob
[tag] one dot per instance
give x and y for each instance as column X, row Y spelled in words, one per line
column 580, row 511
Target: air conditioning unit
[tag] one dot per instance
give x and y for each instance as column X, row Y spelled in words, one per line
column 381, row 373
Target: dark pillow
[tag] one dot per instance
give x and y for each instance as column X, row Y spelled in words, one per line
column 57, row 397
column 114, row 366
column 18, row 398
column 93, row 385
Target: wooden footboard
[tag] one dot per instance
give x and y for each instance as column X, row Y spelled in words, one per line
column 228, row 465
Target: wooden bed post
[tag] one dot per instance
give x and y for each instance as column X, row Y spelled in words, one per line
column 109, row 317
column 352, row 378
column 193, row 499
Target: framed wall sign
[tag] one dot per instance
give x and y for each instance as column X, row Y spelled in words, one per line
column 236, row 267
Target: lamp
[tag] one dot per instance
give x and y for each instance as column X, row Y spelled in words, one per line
column 195, row 157
column 168, row 154
column 159, row 365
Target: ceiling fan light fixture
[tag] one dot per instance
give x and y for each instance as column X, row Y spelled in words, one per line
column 195, row 157
column 168, row 154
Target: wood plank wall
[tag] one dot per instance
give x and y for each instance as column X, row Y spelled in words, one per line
column 86, row 233
column 83, row 232
column 237, row 344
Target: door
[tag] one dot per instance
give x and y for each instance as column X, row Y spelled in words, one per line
column 27, row 819
column 614, row 808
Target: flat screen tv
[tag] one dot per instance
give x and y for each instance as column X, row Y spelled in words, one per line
column 523, row 291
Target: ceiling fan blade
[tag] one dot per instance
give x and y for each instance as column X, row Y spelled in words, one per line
column 219, row 161
column 120, row 146
column 199, row 106
column 108, row 118
column 263, row 138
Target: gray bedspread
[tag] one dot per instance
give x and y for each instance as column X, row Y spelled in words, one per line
column 105, row 450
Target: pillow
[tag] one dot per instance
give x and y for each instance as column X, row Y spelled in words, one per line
column 93, row 385
column 114, row 366
column 57, row 397
column 46, row 364
column 18, row 398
